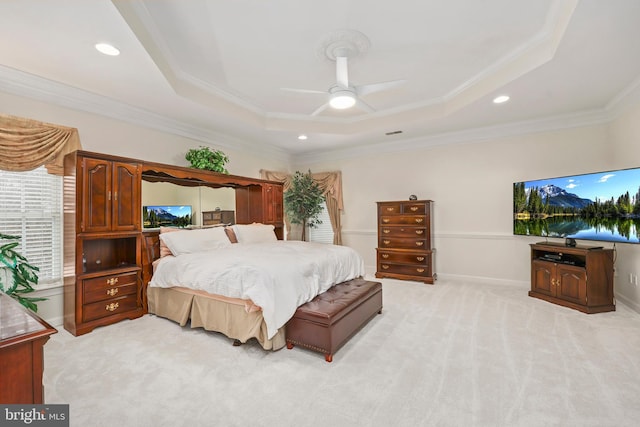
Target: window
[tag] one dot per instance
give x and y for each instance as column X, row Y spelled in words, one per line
column 31, row 208
column 324, row 232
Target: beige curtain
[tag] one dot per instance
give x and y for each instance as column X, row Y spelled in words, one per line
column 331, row 185
column 27, row 144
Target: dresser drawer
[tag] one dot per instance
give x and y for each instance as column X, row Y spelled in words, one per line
column 403, row 231
column 414, row 208
column 408, row 270
column 106, row 287
column 109, row 307
column 403, row 220
column 390, row 208
column 109, row 292
column 402, row 243
column 402, row 257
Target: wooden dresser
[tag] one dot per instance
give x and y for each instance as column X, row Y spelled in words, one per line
column 405, row 250
column 22, row 337
column 218, row 217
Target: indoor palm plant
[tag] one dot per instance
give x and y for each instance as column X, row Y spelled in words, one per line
column 303, row 201
column 17, row 276
column 207, row 159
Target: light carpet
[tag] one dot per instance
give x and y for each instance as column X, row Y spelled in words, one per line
column 459, row 353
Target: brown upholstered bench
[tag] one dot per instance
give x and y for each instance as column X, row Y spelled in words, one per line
column 330, row 319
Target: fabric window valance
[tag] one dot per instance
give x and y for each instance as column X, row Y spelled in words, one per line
column 27, row 144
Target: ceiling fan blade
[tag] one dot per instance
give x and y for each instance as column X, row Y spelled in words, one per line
column 303, row 90
column 378, row 87
column 342, row 73
column 364, row 106
column 320, row 109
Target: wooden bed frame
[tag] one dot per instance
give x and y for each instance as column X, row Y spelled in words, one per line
column 229, row 316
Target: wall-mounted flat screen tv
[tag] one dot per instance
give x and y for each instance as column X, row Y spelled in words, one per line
column 166, row 216
column 602, row 206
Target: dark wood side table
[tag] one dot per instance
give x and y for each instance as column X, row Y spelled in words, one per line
column 22, row 338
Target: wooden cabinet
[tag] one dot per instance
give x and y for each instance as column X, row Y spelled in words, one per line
column 261, row 203
column 102, row 212
column 578, row 277
column 22, row 338
column 218, row 217
column 110, row 196
column 405, row 250
column 273, row 200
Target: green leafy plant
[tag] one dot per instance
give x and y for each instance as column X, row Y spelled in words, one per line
column 207, row 159
column 303, row 201
column 16, row 274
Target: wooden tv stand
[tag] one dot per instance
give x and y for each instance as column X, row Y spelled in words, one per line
column 578, row 277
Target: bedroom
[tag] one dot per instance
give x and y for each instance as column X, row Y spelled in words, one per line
column 478, row 163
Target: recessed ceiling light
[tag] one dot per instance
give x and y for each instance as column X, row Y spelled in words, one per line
column 302, row 137
column 107, row 49
column 500, row 99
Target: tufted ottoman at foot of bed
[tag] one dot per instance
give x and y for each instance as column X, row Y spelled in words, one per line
column 330, row 319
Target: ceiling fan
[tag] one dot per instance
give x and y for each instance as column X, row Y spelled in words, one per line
column 342, row 95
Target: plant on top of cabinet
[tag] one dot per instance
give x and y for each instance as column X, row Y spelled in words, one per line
column 207, row 159
column 16, row 274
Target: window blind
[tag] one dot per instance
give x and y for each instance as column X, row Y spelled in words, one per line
column 31, row 208
column 324, row 232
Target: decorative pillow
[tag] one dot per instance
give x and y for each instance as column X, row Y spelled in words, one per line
column 164, row 249
column 254, row 233
column 186, row 242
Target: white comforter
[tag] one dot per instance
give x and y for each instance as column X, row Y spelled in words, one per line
column 278, row 276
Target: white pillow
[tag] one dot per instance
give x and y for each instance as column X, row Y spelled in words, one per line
column 254, row 233
column 190, row 241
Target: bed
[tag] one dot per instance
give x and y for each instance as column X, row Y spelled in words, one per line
column 240, row 280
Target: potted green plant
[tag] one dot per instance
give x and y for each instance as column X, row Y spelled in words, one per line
column 17, row 276
column 207, row 159
column 303, row 201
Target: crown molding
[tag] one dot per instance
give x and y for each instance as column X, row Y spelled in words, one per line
column 34, row 87
column 467, row 136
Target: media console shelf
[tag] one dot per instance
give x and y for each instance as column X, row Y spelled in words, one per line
column 578, row 277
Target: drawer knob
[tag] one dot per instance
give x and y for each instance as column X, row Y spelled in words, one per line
column 385, row 256
column 419, row 220
column 386, row 242
column 419, row 243
column 385, row 267
column 391, row 209
column 111, row 292
column 414, row 208
column 385, row 220
column 420, row 258
column 420, row 270
column 386, row 231
column 419, row 231
column 112, row 281
column 112, row 307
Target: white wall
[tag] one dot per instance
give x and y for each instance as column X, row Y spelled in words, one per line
column 471, row 185
column 624, row 137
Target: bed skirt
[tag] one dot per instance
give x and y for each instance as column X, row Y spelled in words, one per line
column 231, row 317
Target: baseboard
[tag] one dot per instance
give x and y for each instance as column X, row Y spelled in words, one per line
column 626, row 301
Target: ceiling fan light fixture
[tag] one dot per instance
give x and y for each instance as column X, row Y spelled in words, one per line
column 342, row 99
